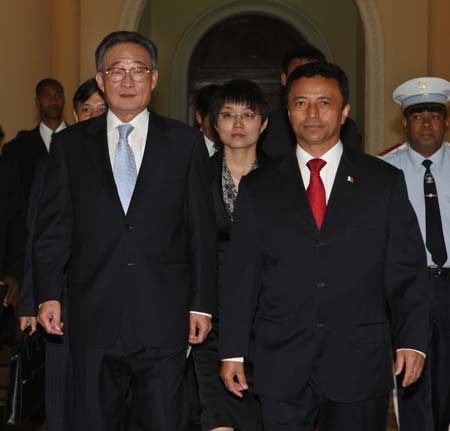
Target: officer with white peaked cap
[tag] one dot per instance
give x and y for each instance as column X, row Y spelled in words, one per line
column 425, row 161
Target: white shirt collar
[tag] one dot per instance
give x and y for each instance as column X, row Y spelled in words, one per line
column 209, row 146
column 47, row 133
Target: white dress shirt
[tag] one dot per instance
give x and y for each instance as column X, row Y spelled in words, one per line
column 209, row 146
column 47, row 133
column 327, row 174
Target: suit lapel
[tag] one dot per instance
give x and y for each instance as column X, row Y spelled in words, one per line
column 292, row 184
column 96, row 147
column 342, row 194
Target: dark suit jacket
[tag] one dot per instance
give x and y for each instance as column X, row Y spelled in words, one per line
column 318, row 301
column 12, row 224
column 148, row 267
column 278, row 138
column 23, row 151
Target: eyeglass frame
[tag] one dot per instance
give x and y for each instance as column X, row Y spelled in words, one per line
column 128, row 71
column 234, row 116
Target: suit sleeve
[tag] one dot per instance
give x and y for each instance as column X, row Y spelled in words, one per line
column 27, row 305
column 202, row 233
column 242, row 279
column 405, row 274
column 16, row 231
column 53, row 228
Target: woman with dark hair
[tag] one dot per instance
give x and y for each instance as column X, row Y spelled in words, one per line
column 239, row 114
column 88, row 101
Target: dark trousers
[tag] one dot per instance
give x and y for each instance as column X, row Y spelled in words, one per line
column 58, row 386
column 425, row 405
column 310, row 407
column 105, row 377
column 414, row 402
column 440, row 354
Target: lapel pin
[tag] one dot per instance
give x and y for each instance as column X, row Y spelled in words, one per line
column 350, row 179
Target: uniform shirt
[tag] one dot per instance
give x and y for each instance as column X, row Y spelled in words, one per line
column 410, row 162
column 47, row 133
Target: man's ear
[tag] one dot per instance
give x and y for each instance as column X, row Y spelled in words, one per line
column 405, row 122
column 283, row 79
column 345, row 113
column 154, row 78
column 198, row 118
column 264, row 125
column 99, row 80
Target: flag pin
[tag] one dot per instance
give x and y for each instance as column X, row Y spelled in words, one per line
column 350, row 179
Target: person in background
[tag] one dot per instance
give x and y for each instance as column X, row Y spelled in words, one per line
column 238, row 112
column 28, row 147
column 279, row 137
column 88, row 101
column 203, row 116
column 425, row 161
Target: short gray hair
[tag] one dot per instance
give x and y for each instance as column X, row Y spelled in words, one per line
column 124, row 37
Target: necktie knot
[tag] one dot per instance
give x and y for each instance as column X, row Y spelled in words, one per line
column 125, row 130
column 316, row 165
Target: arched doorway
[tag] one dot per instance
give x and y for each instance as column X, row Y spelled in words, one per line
column 242, row 47
column 371, row 75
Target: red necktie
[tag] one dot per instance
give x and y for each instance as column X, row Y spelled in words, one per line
column 316, row 190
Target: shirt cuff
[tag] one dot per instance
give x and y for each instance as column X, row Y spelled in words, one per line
column 233, row 360
column 201, row 314
column 414, row 350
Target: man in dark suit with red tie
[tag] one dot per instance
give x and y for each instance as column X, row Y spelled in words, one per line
column 325, row 248
column 126, row 209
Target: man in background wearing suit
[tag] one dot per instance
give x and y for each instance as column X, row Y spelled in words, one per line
column 324, row 240
column 26, row 148
column 279, row 137
column 126, row 207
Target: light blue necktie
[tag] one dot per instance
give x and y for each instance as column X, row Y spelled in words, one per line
column 125, row 172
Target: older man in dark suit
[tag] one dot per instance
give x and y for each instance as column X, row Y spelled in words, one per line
column 126, row 206
column 324, row 243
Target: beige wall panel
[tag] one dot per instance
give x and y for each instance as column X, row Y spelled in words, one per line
column 406, row 53
column 97, row 19
column 25, row 44
column 439, row 39
column 65, row 48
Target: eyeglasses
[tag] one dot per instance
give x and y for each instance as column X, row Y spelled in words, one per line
column 230, row 117
column 138, row 74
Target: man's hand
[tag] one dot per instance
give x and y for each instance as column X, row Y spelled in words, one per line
column 233, row 376
column 28, row 322
column 50, row 317
column 199, row 327
column 12, row 295
column 412, row 362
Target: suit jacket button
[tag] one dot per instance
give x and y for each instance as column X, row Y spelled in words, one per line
column 321, row 284
column 130, row 227
column 129, row 264
column 320, row 325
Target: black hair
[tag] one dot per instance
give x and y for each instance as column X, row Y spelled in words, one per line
column 124, row 37
column 2, row 134
column 205, row 98
column 242, row 92
column 84, row 91
column 324, row 70
column 47, row 81
column 308, row 52
column 427, row 106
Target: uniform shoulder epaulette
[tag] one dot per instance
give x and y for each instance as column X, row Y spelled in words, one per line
column 393, row 149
